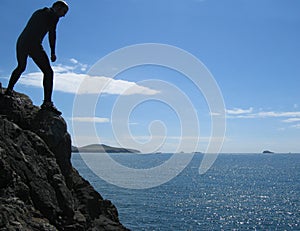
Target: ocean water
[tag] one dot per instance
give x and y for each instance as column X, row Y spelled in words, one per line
column 239, row 192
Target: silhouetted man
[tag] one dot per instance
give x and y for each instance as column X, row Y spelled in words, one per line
column 29, row 43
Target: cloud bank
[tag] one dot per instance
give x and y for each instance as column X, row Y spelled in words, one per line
column 292, row 117
column 66, row 80
column 90, row 119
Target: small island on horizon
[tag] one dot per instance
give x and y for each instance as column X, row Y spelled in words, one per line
column 102, row 148
column 267, row 152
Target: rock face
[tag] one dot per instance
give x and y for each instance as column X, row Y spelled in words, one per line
column 39, row 188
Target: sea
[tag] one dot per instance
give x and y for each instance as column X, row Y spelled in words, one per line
column 239, row 192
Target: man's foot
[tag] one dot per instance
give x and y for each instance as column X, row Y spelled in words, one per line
column 9, row 92
column 48, row 106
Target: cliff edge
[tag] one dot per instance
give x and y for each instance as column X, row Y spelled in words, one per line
column 39, row 188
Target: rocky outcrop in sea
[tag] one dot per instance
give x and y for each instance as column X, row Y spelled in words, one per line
column 39, row 188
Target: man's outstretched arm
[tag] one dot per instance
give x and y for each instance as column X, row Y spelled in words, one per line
column 52, row 40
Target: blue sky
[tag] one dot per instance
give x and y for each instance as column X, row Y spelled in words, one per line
column 251, row 47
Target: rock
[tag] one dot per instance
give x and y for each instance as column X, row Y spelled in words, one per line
column 39, row 188
column 74, row 149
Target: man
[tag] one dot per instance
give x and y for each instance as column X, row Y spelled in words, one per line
column 29, row 43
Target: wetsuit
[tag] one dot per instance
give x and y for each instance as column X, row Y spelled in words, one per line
column 29, row 43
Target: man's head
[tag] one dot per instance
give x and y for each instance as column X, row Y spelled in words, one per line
column 61, row 8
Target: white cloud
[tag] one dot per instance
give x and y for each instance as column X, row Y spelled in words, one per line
column 278, row 114
column 90, row 119
column 66, row 80
column 78, row 65
column 248, row 113
column 133, row 123
column 296, row 126
column 62, row 69
column 74, row 61
column 287, row 117
column 291, row 120
column 239, row 111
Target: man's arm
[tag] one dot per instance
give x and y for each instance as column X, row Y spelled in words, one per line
column 52, row 39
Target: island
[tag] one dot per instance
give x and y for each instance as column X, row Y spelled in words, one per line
column 102, row 148
column 267, row 152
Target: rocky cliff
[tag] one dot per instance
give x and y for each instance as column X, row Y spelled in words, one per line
column 39, row 188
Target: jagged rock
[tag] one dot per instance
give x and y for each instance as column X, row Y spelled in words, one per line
column 39, row 188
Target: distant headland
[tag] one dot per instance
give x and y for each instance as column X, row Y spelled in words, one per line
column 102, row 148
column 267, row 152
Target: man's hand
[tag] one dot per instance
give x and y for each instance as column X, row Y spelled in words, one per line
column 53, row 57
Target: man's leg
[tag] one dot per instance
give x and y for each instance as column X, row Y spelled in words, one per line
column 22, row 61
column 41, row 59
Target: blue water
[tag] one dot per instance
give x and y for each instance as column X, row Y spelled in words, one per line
column 239, row 192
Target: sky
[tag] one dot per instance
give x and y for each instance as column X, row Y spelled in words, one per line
column 250, row 47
